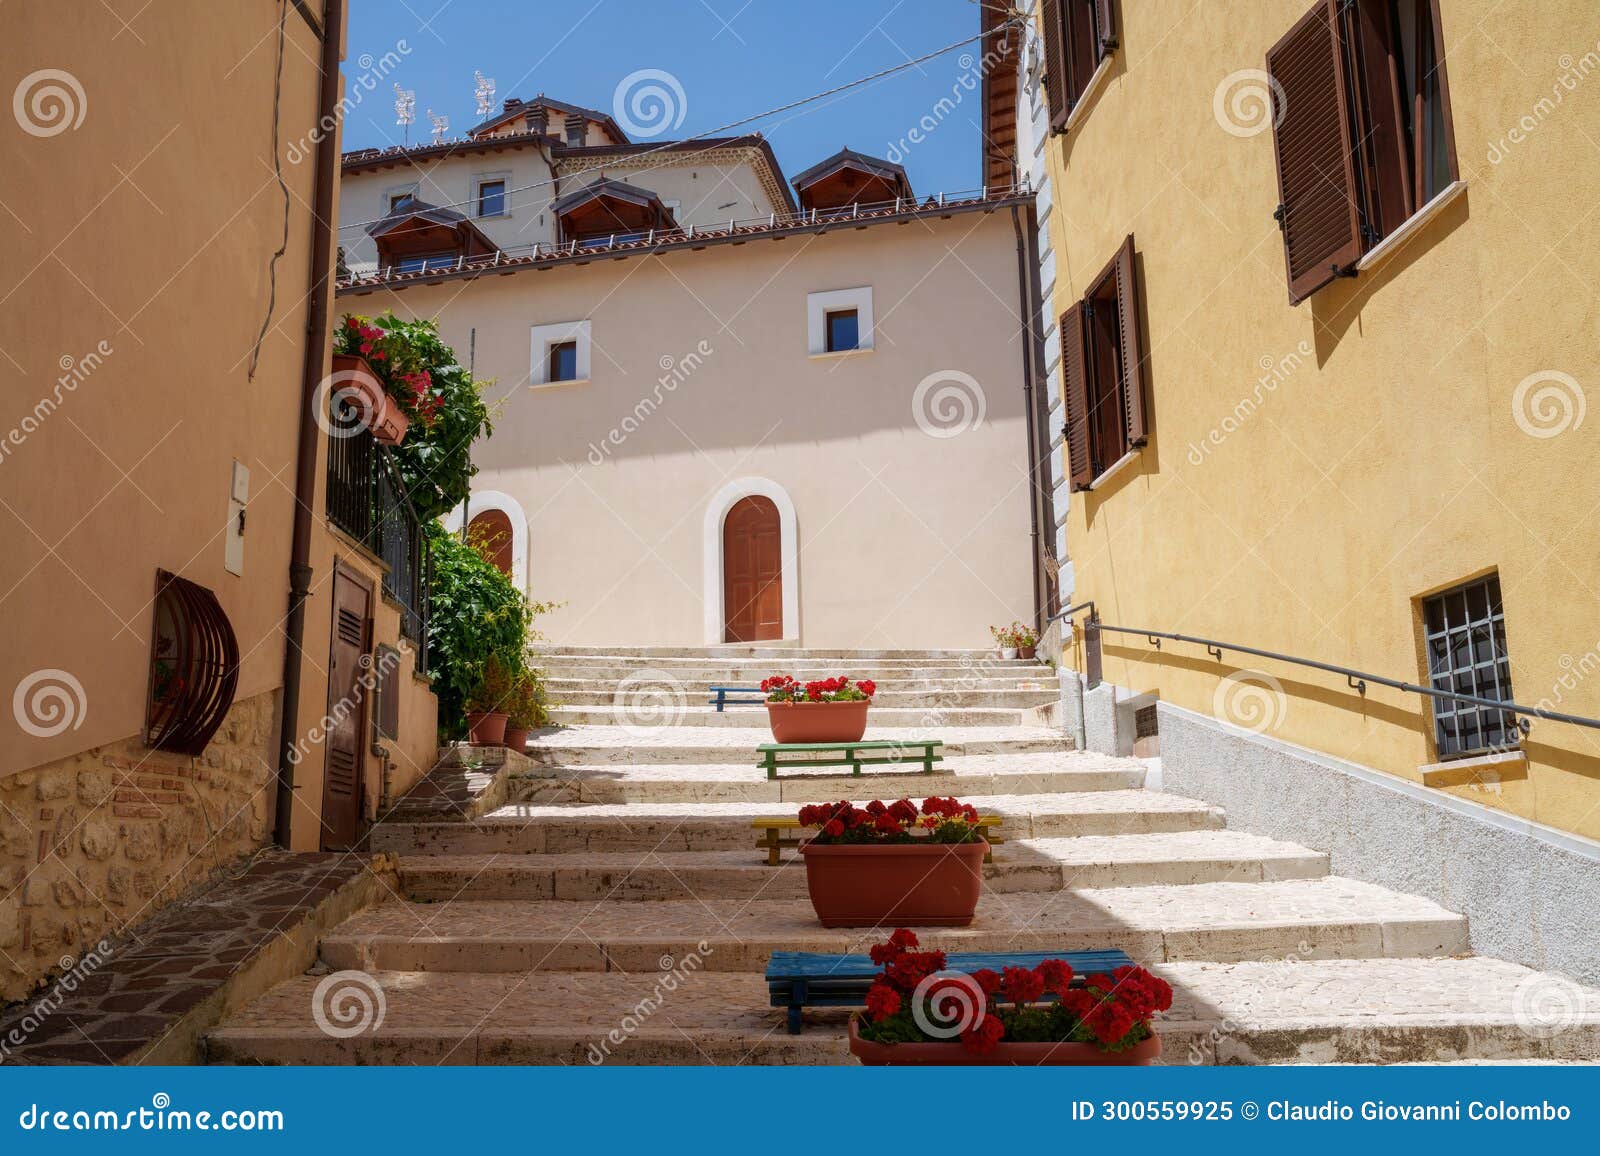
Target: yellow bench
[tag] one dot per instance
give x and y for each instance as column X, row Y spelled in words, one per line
column 772, row 840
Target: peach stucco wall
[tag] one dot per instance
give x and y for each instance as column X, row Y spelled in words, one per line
column 904, row 538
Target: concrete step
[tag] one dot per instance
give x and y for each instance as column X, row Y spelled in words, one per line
column 586, row 745
column 691, row 671
column 735, row 653
column 655, row 712
column 946, row 694
column 1025, row 865
column 1319, row 1011
column 523, row 828
column 1303, row 919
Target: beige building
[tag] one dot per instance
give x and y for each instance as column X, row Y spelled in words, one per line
column 734, row 407
column 160, row 437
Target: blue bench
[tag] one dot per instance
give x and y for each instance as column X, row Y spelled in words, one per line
column 719, row 696
column 802, row 979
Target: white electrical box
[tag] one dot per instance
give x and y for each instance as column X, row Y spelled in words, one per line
column 238, row 495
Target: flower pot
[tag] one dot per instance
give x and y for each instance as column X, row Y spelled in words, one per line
column 952, row 1053
column 921, row 884
column 1027, row 651
column 486, row 728
column 516, row 738
column 1008, row 652
column 818, row 722
column 353, row 379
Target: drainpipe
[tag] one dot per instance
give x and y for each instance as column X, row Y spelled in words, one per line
column 1028, row 302
column 305, row 474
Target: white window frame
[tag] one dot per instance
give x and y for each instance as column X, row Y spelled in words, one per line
column 819, row 305
column 481, row 179
column 414, row 188
column 543, row 337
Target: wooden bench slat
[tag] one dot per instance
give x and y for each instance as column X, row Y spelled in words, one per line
column 772, row 843
column 854, row 759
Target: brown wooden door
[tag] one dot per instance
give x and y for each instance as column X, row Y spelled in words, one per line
column 752, row 571
column 347, row 706
column 490, row 532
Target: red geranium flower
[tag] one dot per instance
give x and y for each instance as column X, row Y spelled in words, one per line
column 1056, row 974
column 987, row 979
column 981, row 1038
column 882, row 1002
column 1021, row 985
column 833, row 828
column 867, row 687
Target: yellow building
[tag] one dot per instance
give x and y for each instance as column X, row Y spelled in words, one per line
column 1326, row 281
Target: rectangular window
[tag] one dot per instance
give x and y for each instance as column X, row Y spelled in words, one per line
column 563, row 361
column 1362, row 130
column 425, row 262
column 492, row 199
column 1465, row 633
column 844, row 330
column 1102, row 372
column 1078, row 36
column 398, row 199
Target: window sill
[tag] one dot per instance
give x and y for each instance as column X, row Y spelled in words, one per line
column 840, row 353
column 1080, row 108
column 1478, row 770
column 1114, row 468
column 544, row 385
column 1391, row 244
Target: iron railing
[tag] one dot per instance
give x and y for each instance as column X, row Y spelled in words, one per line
column 1357, row 680
column 367, row 499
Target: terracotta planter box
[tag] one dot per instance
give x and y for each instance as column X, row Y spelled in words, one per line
column 919, row 884
column 384, row 419
column 818, row 722
column 1027, row 651
column 486, row 729
column 516, row 737
column 1005, row 1054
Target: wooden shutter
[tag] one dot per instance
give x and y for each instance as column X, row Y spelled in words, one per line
column 1133, row 410
column 1075, row 387
column 1316, row 181
column 1055, row 62
column 1105, row 28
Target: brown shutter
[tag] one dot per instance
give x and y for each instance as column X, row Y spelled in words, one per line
column 1133, row 411
column 1075, row 388
column 1316, row 182
column 1105, row 27
column 1055, row 62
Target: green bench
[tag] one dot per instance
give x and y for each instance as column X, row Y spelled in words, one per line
column 879, row 752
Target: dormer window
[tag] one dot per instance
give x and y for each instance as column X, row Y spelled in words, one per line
column 417, row 237
column 610, row 212
column 847, row 179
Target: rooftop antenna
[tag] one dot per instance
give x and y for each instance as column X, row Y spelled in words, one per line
column 485, row 93
column 405, row 109
column 441, row 125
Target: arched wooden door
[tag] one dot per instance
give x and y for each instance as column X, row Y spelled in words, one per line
column 490, row 532
column 752, row 571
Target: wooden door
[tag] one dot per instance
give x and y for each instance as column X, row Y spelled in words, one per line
column 752, row 571
column 347, row 707
column 490, row 532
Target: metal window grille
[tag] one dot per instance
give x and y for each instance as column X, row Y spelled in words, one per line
column 1466, row 642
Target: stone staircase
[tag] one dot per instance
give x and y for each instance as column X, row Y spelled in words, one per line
column 602, row 898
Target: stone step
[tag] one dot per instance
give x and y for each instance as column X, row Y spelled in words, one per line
column 600, row 745
column 764, row 653
column 657, row 713
column 1317, row 1011
column 970, row 776
column 949, row 694
column 523, row 828
column 1302, row 919
column 1025, row 865
column 671, row 672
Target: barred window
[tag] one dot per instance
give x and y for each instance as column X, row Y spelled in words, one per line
column 1466, row 641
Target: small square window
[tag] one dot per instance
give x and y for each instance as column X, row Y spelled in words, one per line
column 564, row 361
column 1466, row 650
column 492, row 199
column 398, row 199
column 844, row 330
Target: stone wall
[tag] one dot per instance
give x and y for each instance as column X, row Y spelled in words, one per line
column 92, row 844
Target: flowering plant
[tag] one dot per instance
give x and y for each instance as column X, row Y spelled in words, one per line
column 407, row 382
column 944, row 820
column 914, row 1001
column 783, row 688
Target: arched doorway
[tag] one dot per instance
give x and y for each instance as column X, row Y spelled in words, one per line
column 752, row 571
column 491, row 532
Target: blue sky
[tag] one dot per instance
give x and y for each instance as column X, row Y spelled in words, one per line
column 731, row 58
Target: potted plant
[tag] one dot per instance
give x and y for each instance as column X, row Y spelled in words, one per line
column 832, row 710
column 486, row 705
column 1026, row 639
column 525, row 709
column 389, row 383
column 865, row 866
column 918, row 1013
column 1005, row 640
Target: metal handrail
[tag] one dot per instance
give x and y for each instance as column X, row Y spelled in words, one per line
column 1358, row 679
